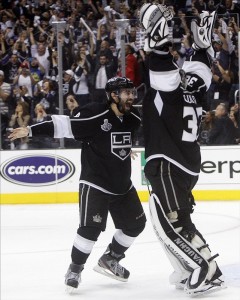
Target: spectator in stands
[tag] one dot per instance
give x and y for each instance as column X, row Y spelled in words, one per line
column 104, row 47
column 102, row 33
column 21, row 118
column 236, row 109
column 36, row 69
column 228, row 6
column 211, row 5
column 222, row 78
column 20, row 9
column 25, row 78
column 234, row 69
column 53, row 70
column 234, row 115
column 104, row 70
column 2, row 44
column 220, row 86
column 20, row 93
column 20, row 48
column 47, row 96
column 72, row 104
column 27, row 32
column 5, row 92
column 205, row 127
column 132, row 66
column 40, row 114
column 68, row 82
column 6, row 19
column 200, row 5
column 131, row 36
column 11, row 68
column 42, row 142
column 81, row 70
column 223, row 131
column 41, row 52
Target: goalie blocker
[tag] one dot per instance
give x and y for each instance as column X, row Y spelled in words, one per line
column 194, row 268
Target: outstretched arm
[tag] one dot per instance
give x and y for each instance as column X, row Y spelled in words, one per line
column 58, row 127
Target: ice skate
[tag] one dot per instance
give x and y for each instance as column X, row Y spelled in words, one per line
column 216, row 283
column 202, row 31
column 73, row 277
column 207, row 288
column 108, row 265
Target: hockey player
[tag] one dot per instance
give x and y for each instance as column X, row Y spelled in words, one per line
column 171, row 118
column 105, row 186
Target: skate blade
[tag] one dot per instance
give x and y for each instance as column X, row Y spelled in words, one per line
column 107, row 273
column 70, row 290
column 206, row 292
column 179, row 286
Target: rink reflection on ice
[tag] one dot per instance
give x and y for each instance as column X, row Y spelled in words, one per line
column 36, row 243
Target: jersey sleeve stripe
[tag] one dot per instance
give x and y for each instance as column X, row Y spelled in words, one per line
column 136, row 116
column 165, row 81
column 62, row 126
column 90, row 118
column 200, row 69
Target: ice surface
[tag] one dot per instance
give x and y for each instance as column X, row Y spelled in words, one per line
column 36, row 242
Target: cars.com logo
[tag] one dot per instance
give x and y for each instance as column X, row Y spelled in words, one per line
column 34, row 170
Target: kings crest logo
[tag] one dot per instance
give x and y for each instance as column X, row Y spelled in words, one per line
column 106, row 126
column 121, row 144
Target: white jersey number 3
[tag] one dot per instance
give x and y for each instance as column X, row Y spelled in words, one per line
column 191, row 135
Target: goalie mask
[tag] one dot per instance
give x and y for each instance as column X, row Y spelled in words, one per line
column 154, row 20
column 124, row 90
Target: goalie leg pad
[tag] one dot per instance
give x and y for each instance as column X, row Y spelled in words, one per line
column 180, row 275
column 188, row 256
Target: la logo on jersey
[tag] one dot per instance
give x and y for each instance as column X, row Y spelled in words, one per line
column 121, row 144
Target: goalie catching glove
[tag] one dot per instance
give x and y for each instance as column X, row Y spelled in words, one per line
column 154, row 20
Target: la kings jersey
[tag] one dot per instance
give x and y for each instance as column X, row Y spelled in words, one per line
column 171, row 114
column 106, row 148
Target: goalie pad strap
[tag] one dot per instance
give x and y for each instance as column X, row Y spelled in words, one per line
column 213, row 257
column 202, row 247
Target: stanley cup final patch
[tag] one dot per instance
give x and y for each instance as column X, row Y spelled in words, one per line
column 106, row 126
column 121, row 144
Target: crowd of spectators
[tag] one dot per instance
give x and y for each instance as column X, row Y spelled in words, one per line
column 91, row 54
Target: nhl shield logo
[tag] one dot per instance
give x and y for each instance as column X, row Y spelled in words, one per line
column 121, row 144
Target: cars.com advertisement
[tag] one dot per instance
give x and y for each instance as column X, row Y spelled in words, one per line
column 34, row 170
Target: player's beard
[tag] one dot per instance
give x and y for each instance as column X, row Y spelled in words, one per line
column 125, row 107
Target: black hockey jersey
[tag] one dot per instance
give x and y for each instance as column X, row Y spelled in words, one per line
column 171, row 113
column 106, row 148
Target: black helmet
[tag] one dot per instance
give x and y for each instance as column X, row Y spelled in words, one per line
column 116, row 83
